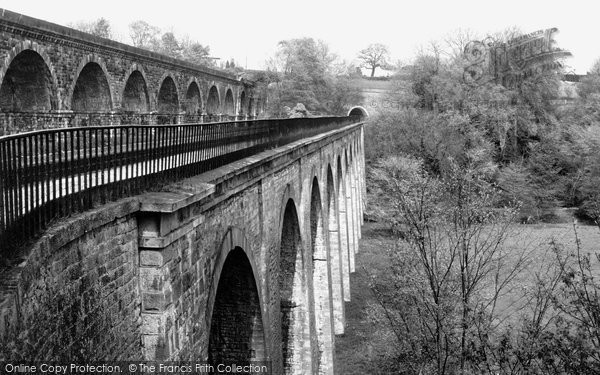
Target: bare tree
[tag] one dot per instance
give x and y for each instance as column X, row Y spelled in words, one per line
column 100, row 27
column 374, row 56
column 454, row 263
column 595, row 69
column 142, row 33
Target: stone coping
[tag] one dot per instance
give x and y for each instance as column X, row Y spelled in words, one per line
column 204, row 187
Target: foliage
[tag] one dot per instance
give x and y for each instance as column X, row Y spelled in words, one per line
column 526, row 135
column 304, row 71
column 374, row 56
column 447, row 172
column 453, row 269
column 100, row 27
column 144, row 35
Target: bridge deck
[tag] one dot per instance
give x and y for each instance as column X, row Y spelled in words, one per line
column 49, row 174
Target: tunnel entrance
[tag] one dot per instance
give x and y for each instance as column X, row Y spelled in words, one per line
column 358, row 111
column 236, row 332
column 27, row 85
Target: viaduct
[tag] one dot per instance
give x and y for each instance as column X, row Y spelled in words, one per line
column 57, row 75
column 228, row 242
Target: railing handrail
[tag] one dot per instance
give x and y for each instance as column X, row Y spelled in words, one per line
column 52, row 173
column 92, row 127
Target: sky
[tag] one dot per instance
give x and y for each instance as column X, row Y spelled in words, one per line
column 248, row 31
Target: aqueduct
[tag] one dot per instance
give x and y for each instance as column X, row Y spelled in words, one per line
column 53, row 75
column 228, row 242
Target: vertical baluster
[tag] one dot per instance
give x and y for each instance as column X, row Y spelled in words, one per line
column 3, row 196
column 102, row 164
column 121, row 162
column 71, row 175
column 60, row 173
column 174, row 152
column 45, row 199
column 40, row 181
column 134, row 163
column 159, row 139
column 14, row 181
column 168, row 161
column 154, row 151
column 89, row 143
column 188, row 161
column 147, row 155
column 211, row 146
column 78, row 170
column 27, row 177
column 95, row 167
column 200, row 147
column 127, row 161
column 20, row 184
column 52, row 171
column 201, row 153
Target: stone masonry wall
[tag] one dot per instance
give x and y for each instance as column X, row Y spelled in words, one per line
column 138, row 279
column 66, row 51
column 76, row 292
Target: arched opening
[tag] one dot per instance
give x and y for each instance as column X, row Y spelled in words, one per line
column 236, row 330
column 168, row 102
column 358, row 111
column 343, row 228
column 321, row 282
column 251, row 106
column 294, row 318
column 92, row 92
column 335, row 256
column 193, row 100
column 212, row 102
column 229, row 105
column 243, row 104
column 27, row 85
column 135, row 95
column 259, row 107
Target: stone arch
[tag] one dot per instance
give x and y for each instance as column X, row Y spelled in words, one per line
column 235, row 311
column 243, row 104
column 358, row 111
column 167, row 97
column 26, row 69
column 193, row 98
column 251, row 106
column 229, row 104
column 91, row 90
column 293, row 296
column 258, row 106
column 321, row 282
column 135, row 97
column 213, row 103
column 337, row 290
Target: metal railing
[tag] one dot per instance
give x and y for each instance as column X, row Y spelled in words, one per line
column 18, row 122
column 50, row 174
